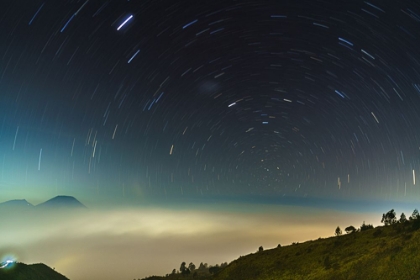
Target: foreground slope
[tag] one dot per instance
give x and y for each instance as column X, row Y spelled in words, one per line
column 382, row 253
column 21, row 271
column 388, row 252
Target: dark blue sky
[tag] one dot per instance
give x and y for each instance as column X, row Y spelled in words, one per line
column 135, row 99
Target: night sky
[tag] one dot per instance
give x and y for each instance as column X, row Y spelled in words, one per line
column 166, row 99
column 178, row 122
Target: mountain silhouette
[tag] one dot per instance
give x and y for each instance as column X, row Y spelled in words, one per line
column 23, row 271
column 16, row 206
column 21, row 203
column 61, row 201
column 58, row 202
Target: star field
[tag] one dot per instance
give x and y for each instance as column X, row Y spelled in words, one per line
column 134, row 98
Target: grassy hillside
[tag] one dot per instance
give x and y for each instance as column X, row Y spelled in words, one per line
column 21, row 271
column 388, row 252
column 196, row 275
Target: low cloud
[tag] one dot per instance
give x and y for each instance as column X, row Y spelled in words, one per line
column 135, row 243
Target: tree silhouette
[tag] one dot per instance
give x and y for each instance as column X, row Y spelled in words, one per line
column 203, row 266
column 403, row 218
column 415, row 219
column 260, row 249
column 350, row 229
column 364, row 226
column 191, row 267
column 214, row 269
column 415, row 215
column 389, row 218
column 338, row 231
column 183, row 267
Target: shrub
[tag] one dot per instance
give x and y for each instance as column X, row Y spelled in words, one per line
column 377, row 232
column 389, row 218
column 338, row 231
column 416, row 224
column 364, row 227
column 350, row 229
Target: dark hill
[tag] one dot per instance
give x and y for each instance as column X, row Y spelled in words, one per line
column 21, row 271
column 386, row 253
column 61, row 201
column 389, row 252
column 17, row 206
column 21, row 203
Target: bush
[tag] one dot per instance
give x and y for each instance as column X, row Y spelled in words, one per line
column 377, row 232
column 364, row 227
column 338, row 231
column 350, row 229
column 416, row 224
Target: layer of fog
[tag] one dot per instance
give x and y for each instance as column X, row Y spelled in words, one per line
column 134, row 243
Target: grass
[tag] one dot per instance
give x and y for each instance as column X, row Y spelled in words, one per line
column 387, row 252
column 382, row 253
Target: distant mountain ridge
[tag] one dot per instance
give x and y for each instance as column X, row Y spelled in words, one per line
column 17, row 203
column 60, row 202
column 23, row 271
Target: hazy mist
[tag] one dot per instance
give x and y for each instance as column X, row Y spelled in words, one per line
column 138, row 242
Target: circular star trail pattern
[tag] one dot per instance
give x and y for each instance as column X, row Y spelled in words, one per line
column 290, row 98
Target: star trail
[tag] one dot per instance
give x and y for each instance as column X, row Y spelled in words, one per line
column 210, row 98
